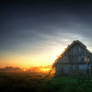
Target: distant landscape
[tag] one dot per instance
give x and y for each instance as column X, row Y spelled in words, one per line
column 18, row 80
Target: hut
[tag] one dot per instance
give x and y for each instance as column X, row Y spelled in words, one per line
column 76, row 59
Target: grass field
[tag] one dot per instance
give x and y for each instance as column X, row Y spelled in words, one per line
column 40, row 82
column 70, row 84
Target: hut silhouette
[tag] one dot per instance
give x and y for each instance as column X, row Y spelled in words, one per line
column 76, row 59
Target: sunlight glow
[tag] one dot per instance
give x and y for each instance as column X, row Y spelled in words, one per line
column 37, row 58
column 45, row 69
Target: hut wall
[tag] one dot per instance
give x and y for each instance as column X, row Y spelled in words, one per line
column 67, row 68
column 63, row 69
column 83, row 68
column 59, row 68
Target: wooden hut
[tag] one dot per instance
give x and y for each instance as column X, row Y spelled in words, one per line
column 76, row 59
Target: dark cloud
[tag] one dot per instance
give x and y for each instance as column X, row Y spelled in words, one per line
column 34, row 22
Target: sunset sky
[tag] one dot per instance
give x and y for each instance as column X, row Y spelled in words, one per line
column 35, row 33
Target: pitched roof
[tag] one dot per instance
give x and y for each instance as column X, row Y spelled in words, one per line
column 76, row 42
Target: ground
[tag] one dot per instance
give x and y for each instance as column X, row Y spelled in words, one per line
column 33, row 82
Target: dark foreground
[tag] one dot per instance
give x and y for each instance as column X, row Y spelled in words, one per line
column 33, row 82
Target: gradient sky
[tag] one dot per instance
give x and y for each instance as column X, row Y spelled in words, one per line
column 35, row 33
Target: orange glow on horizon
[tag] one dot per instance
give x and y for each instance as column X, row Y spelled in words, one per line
column 24, row 60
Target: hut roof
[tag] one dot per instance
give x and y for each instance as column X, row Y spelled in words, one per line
column 76, row 42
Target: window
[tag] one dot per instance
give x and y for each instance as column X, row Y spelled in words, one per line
column 88, row 59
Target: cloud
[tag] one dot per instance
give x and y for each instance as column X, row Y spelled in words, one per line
column 34, row 26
